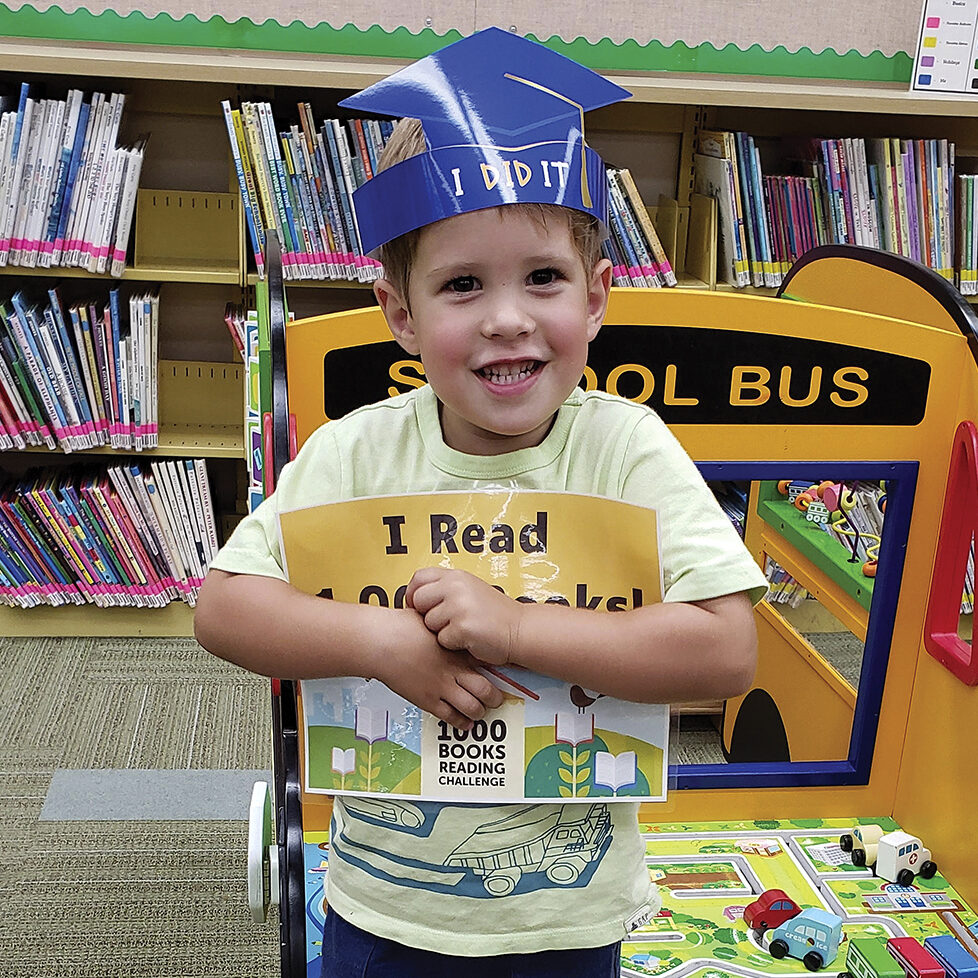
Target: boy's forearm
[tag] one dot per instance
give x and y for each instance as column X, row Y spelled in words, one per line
column 269, row 627
column 663, row 653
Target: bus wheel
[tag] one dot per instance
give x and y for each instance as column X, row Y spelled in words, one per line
column 845, row 843
column 905, row 877
column 778, row 948
column 812, row 960
column 858, row 857
column 928, row 869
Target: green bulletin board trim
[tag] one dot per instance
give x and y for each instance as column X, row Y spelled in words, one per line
column 374, row 42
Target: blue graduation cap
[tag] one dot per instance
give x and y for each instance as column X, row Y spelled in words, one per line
column 503, row 118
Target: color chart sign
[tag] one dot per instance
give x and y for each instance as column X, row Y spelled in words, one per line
column 947, row 58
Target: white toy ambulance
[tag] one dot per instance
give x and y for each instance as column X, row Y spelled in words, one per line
column 901, row 856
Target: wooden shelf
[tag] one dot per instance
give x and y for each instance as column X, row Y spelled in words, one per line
column 308, row 283
column 228, row 274
column 201, row 413
column 348, row 73
column 175, row 620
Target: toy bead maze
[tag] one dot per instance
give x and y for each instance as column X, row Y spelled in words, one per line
column 859, row 385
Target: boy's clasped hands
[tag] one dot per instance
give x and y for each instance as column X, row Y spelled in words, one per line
column 463, row 622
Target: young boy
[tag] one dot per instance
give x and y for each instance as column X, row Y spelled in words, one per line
column 500, row 297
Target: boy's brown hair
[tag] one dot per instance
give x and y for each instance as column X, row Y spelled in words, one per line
column 397, row 256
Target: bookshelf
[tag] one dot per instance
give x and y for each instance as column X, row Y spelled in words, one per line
column 190, row 239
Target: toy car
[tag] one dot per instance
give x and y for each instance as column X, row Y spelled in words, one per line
column 862, row 844
column 770, row 909
column 901, row 856
column 813, row 936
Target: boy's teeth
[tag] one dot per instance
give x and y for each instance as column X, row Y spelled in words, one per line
column 508, row 373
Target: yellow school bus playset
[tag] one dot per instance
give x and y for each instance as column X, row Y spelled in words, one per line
column 861, row 376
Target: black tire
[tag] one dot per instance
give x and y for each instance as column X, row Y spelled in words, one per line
column 845, row 843
column 858, row 857
column 778, row 948
column 905, row 877
column 928, row 869
column 813, row 961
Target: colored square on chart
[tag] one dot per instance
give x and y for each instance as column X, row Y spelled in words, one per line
column 927, row 62
column 933, row 22
column 930, row 42
column 923, row 79
column 974, row 82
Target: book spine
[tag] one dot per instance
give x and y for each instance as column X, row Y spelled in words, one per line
column 279, row 190
column 32, row 357
column 206, row 505
column 249, row 118
column 127, row 208
column 23, row 377
column 60, row 182
column 93, row 175
column 648, row 228
column 44, row 175
column 344, row 253
column 18, row 155
column 30, row 151
column 71, row 183
column 233, row 125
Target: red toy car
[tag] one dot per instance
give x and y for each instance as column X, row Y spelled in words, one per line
column 771, row 909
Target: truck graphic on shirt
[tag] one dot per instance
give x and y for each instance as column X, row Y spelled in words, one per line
column 559, row 842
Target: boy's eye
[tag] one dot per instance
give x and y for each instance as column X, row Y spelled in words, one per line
column 544, row 276
column 463, row 283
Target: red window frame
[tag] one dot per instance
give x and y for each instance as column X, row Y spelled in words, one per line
column 959, row 525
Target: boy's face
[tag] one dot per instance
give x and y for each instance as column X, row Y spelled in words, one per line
column 502, row 312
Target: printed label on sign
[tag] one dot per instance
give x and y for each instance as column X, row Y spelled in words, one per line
column 471, row 763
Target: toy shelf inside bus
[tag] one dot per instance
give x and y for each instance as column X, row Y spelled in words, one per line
column 809, row 539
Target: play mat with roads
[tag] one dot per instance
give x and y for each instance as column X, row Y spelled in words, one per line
column 709, row 871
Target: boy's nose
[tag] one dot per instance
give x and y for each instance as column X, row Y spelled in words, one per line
column 507, row 320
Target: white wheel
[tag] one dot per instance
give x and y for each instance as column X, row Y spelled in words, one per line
column 503, row 882
column 563, row 874
column 262, row 854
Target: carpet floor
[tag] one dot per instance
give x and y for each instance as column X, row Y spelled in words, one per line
column 118, row 897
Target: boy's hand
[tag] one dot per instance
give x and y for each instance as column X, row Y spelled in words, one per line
column 465, row 613
column 439, row 681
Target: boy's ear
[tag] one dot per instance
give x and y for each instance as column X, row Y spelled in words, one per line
column 599, row 289
column 398, row 316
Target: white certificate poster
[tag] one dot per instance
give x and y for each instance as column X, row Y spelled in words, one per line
column 947, row 56
column 550, row 740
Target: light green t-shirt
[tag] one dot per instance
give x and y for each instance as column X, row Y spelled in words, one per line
column 419, row 873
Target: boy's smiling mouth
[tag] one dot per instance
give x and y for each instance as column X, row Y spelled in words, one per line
column 505, row 374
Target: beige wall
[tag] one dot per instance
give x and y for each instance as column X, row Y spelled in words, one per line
column 837, row 24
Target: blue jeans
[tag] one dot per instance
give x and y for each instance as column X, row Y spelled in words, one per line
column 349, row 952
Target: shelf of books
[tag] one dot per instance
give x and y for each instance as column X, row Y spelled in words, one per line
column 171, row 174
